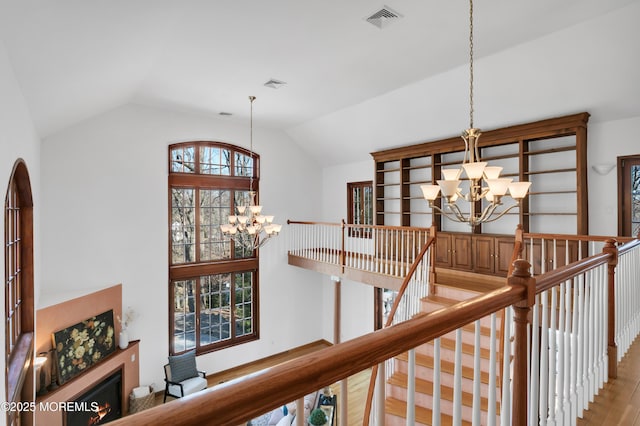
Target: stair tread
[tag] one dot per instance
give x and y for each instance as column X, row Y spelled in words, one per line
column 471, row 327
column 447, row 366
column 426, row 387
column 423, row 415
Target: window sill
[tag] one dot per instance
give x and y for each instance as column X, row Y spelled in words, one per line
column 19, row 363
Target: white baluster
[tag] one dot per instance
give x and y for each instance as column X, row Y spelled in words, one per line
column 543, row 407
column 505, row 412
column 457, row 380
column 552, row 357
column 476, row 376
column 534, row 385
column 561, row 353
column 435, row 414
column 411, row 388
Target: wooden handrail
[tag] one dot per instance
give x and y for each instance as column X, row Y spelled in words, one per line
column 628, row 246
column 296, row 222
column 351, row 225
column 240, row 400
column 563, row 273
column 589, row 238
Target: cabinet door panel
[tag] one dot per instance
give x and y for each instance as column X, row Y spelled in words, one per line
column 443, row 250
column 503, row 254
column 462, row 252
column 483, row 261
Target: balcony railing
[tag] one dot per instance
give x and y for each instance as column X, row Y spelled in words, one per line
column 566, row 330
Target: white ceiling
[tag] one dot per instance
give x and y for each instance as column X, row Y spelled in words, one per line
column 76, row 58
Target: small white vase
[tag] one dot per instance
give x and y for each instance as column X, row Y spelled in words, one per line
column 123, row 339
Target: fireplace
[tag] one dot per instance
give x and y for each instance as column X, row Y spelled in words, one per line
column 99, row 405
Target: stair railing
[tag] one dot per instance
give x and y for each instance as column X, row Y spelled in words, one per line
column 573, row 337
column 406, row 305
column 240, row 400
column 626, row 290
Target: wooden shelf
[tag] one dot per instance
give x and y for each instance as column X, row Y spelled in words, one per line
column 515, row 148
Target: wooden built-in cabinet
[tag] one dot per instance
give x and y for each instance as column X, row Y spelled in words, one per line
column 551, row 154
column 484, row 254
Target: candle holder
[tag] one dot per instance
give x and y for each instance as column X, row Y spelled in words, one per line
column 42, row 366
column 54, row 369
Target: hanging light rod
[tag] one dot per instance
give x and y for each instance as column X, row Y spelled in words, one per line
column 476, row 172
column 249, row 227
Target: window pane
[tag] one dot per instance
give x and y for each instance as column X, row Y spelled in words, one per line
column 244, row 165
column 368, row 205
column 184, row 324
column 635, row 200
column 214, row 211
column 215, row 161
column 242, row 248
column 244, row 303
column 182, row 160
column 182, row 225
column 215, row 308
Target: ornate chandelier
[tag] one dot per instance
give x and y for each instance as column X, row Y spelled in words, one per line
column 249, row 227
column 476, row 172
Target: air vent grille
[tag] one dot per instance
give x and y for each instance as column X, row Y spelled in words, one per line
column 275, row 84
column 383, row 17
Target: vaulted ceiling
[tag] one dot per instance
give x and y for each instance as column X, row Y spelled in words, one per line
column 76, row 58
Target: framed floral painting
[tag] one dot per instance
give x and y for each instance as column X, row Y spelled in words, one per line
column 82, row 345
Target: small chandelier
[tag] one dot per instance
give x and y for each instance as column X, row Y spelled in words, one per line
column 476, row 171
column 249, row 227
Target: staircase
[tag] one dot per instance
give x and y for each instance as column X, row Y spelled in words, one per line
column 451, row 287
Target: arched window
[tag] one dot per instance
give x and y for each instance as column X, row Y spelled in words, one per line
column 213, row 283
column 18, row 290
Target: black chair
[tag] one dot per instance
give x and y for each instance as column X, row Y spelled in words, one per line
column 181, row 376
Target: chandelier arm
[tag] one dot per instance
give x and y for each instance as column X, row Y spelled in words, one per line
column 456, row 210
column 446, row 214
column 502, row 213
column 488, row 211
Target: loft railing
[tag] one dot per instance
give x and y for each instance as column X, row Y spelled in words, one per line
column 570, row 305
column 379, row 255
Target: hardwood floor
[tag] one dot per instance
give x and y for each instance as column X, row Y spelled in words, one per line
column 619, row 400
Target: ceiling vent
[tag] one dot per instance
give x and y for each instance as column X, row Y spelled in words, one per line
column 383, row 17
column 275, row 84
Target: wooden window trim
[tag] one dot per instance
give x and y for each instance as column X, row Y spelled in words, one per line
column 19, row 368
column 195, row 270
column 350, row 206
column 624, row 193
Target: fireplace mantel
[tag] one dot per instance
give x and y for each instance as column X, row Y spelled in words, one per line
column 64, row 314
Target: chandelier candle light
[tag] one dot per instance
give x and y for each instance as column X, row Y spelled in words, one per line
column 476, row 172
column 249, row 227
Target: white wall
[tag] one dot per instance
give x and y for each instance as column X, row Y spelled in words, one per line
column 18, row 139
column 606, row 142
column 587, row 67
column 105, row 222
column 357, row 298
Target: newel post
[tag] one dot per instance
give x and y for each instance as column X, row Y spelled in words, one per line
column 521, row 277
column 612, row 350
